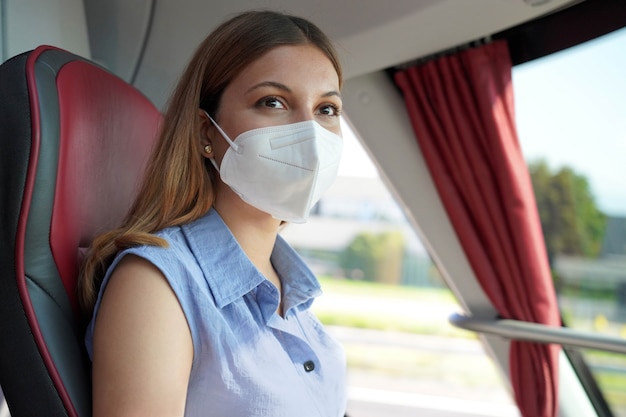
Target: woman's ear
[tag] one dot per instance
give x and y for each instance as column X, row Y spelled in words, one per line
column 205, row 134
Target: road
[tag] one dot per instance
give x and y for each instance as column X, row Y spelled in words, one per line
column 364, row 402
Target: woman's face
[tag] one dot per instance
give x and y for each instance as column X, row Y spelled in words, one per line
column 289, row 84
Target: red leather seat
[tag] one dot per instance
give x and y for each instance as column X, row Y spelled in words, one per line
column 74, row 140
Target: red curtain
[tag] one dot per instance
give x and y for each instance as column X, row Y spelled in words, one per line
column 461, row 109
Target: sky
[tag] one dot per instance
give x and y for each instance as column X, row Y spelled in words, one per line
column 570, row 110
column 355, row 162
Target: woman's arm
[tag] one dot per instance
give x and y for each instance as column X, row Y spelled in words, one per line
column 142, row 348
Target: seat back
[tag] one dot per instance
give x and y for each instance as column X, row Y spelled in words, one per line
column 74, row 140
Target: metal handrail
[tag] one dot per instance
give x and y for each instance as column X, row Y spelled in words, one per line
column 540, row 333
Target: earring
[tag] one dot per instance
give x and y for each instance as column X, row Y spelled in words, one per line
column 208, row 149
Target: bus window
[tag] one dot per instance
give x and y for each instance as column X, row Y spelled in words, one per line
column 570, row 110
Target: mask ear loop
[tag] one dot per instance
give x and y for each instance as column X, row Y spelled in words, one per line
column 224, row 135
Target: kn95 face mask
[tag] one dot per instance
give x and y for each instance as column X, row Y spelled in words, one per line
column 281, row 170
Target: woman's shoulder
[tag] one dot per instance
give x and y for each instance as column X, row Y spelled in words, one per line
column 173, row 259
column 173, row 247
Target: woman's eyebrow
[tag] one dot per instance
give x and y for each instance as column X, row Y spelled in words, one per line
column 283, row 87
column 332, row 93
column 274, row 84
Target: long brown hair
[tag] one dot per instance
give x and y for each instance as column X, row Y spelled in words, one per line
column 178, row 185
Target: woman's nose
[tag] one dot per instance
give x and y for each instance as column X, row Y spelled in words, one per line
column 303, row 115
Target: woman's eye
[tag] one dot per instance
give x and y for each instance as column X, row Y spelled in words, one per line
column 329, row 110
column 271, row 102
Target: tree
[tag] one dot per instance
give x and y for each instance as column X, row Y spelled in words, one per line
column 571, row 221
column 375, row 257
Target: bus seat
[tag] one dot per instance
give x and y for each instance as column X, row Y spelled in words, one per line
column 74, row 140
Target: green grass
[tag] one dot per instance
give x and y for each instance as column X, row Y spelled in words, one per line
column 379, row 306
column 365, row 288
column 612, row 383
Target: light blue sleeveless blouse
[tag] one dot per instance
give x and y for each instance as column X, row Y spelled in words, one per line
column 248, row 361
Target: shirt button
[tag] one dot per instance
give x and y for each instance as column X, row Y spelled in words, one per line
column 309, row 366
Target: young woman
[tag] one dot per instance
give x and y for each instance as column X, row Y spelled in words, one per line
column 199, row 307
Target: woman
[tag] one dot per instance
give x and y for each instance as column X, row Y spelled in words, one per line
column 199, row 307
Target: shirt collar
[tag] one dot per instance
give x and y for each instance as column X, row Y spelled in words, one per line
column 300, row 285
column 230, row 274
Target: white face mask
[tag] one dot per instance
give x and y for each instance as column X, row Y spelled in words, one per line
column 281, row 170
